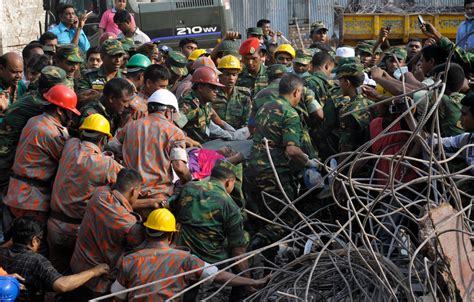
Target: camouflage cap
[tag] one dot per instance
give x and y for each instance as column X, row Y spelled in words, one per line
column 177, row 63
column 304, row 56
column 276, row 69
column 256, row 31
column 318, row 25
column 349, row 69
column 70, row 52
column 128, row 44
column 112, row 47
column 343, row 61
column 54, row 75
column 400, row 53
column 363, row 47
column 229, row 47
column 372, row 43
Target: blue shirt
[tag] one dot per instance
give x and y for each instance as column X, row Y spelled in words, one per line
column 465, row 27
column 66, row 35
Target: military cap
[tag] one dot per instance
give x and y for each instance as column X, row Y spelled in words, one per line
column 304, row 56
column 318, row 25
column 363, row 47
column 372, row 43
column 249, row 46
column 256, row 31
column 343, row 61
column 177, row 62
column 112, row 47
column 128, row 44
column 400, row 53
column 349, row 69
column 229, row 47
column 70, row 52
column 276, row 69
column 54, row 75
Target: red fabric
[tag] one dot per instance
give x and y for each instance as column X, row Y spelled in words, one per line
column 206, row 160
column 396, row 142
column 249, row 46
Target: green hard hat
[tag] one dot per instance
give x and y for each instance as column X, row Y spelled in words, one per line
column 138, row 62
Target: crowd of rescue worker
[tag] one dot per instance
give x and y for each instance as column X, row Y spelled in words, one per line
column 106, row 182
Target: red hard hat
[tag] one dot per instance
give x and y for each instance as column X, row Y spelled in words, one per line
column 206, row 75
column 62, row 96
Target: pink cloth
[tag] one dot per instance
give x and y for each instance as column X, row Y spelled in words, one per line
column 206, row 160
column 107, row 21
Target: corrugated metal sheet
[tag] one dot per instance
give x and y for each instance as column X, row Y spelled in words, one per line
column 298, row 9
column 246, row 13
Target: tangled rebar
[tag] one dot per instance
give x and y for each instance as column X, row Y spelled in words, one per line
column 368, row 247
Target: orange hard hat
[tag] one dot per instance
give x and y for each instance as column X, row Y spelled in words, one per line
column 206, row 75
column 62, row 96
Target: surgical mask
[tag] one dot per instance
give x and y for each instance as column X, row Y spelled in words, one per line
column 469, row 18
column 302, row 75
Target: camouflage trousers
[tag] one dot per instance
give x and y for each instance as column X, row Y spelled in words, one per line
column 269, row 207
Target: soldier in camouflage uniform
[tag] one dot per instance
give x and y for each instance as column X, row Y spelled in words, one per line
column 176, row 63
column 211, row 222
column 196, row 106
column 318, row 81
column 18, row 114
column 365, row 53
column 354, row 128
column 112, row 53
column 233, row 103
column 279, row 122
column 116, row 98
column 390, row 61
column 68, row 58
column 254, row 75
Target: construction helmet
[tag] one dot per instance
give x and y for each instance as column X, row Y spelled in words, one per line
column 196, row 54
column 97, row 123
column 62, row 96
column 206, row 75
column 229, row 62
column 285, row 48
column 164, row 97
column 138, row 62
column 9, row 289
column 161, row 220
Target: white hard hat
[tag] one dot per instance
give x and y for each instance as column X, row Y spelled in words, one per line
column 164, row 97
column 345, row 52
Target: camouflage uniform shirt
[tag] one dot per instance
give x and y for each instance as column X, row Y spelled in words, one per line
column 198, row 116
column 95, row 79
column 255, row 84
column 236, row 109
column 16, row 117
column 280, row 124
column 354, row 127
column 211, row 223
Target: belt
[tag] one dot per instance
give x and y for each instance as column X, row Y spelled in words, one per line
column 64, row 218
column 32, row 182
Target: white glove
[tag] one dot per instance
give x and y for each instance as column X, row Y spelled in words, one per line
column 241, row 134
column 312, row 163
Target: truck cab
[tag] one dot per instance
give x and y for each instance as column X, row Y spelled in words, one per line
column 167, row 21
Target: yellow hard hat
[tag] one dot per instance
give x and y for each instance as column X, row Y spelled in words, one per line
column 285, row 48
column 161, row 220
column 97, row 123
column 229, row 62
column 196, row 54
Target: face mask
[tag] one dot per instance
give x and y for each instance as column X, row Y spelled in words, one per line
column 468, row 18
column 302, row 75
